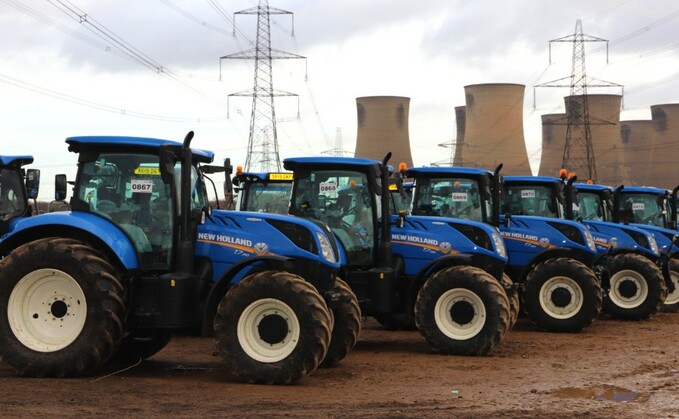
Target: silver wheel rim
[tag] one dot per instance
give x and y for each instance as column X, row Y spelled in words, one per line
column 639, row 282
column 673, row 297
column 446, row 323
column 47, row 310
column 251, row 339
column 567, row 284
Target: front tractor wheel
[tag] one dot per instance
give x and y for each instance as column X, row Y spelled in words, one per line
column 637, row 288
column 672, row 301
column 61, row 309
column 462, row 310
column 346, row 326
column 562, row 295
column 272, row 328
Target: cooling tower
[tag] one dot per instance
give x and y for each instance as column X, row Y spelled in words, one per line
column 494, row 128
column 636, row 138
column 460, row 122
column 383, row 127
column 664, row 146
column 604, row 114
column 553, row 140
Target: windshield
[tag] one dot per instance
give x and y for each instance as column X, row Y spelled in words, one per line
column 590, row 207
column 450, row 197
column 12, row 194
column 127, row 189
column 401, row 200
column 643, row 208
column 530, row 200
column 272, row 197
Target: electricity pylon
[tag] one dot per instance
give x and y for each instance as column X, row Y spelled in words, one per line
column 578, row 154
column 262, row 151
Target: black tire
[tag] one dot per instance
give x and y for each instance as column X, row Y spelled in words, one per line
column 636, row 288
column 346, row 327
column 462, row 310
column 297, row 335
column 138, row 347
column 61, row 309
column 671, row 304
column 514, row 301
column 562, row 295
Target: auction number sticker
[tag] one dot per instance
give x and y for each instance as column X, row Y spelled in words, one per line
column 638, row 206
column 328, row 187
column 528, row 193
column 459, row 197
column 142, row 186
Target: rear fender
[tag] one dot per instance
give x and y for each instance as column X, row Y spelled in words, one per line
column 99, row 232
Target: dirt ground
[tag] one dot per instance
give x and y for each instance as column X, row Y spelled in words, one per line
column 612, row 369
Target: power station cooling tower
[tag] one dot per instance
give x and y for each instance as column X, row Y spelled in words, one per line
column 494, row 128
column 604, row 114
column 460, row 117
column 383, row 128
column 636, row 138
column 553, row 141
column 665, row 147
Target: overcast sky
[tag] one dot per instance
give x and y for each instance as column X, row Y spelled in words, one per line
column 60, row 78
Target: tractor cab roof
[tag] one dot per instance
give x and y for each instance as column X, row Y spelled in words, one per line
column 15, row 160
column 532, row 179
column 592, row 187
column 446, row 171
column 130, row 144
column 646, row 189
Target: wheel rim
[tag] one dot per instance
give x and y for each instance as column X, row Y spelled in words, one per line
column 268, row 330
column 460, row 314
column 561, row 297
column 628, row 289
column 47, row 310
column 673, row 297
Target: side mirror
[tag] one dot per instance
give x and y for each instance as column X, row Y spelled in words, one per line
column 32, row 183
column 60, row 183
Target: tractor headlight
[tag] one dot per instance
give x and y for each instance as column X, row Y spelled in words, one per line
column 326, row 248
column 653, row 244
column 590, row 240
column 613, row 242
column 499, row 244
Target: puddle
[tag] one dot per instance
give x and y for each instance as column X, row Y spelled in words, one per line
column 603, row 392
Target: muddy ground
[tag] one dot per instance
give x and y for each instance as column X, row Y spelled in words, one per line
column 613, row 369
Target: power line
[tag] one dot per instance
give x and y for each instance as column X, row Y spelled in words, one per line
column 94, row 105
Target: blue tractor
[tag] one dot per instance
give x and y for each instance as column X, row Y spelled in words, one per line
column 17, row 186
column 548, row 258
column 443, row 276
column 140, row 254
column 629, row 263
column 653, row 210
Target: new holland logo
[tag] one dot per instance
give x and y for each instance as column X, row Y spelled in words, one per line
column 445, row 247
column 261, row 248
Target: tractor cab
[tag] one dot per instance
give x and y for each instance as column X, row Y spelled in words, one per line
column 121, row 180
column 263, row 192
column 646, row 205
column 345, row 197
column 460, row 197
column 17, row 186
